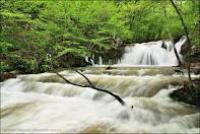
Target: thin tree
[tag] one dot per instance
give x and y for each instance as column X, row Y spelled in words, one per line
column 163, row 6
column 187, row 36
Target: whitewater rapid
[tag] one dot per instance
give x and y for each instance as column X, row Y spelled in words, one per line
column 44, row 103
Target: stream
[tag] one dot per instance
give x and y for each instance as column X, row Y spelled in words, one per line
column 44, row 103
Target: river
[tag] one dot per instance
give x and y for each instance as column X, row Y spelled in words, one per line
column 44, row 103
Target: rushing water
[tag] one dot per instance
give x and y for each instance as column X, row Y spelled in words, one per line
column 157, row 53
column 44, row 103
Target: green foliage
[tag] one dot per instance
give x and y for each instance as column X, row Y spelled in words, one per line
column 153, row 20
column 21, row 64
column 74, row 51
column 4, row 67
column 38, row 33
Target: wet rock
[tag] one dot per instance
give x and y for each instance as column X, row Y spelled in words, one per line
column 70, row 60
column 189, row 93
column 6, row 75
column 163, row 45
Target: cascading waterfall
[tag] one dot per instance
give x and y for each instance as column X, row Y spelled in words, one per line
column 152, row 53
column 157, row 53
column 43, row 103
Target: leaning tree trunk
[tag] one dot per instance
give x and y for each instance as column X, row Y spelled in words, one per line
column 176, row 54
column 187, row 36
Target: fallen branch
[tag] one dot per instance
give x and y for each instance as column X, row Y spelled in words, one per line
column 69, row 82
column 91, row 85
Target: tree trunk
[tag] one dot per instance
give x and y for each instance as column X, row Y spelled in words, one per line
column 187, row 36
column 177, row 56
column 176, row 53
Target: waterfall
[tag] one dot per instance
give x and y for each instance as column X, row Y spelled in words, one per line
column 156, row 53
column 152, row 53
column 44, row 103
column 100, row 60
